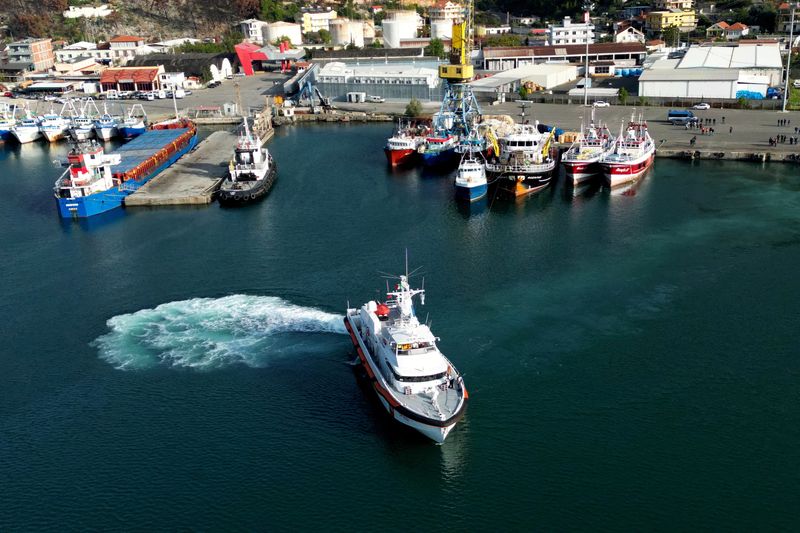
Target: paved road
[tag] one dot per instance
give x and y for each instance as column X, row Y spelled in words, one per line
column 751, row 128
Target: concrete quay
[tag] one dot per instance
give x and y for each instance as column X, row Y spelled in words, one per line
column 739, row 134
column 193, row 179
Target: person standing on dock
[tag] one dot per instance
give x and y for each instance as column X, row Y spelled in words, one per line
column 731, row 132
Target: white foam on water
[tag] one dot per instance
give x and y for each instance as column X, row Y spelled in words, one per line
column 210, row 333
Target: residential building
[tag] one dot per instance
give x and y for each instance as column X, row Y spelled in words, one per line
column 571, row 32
column 525, row 21
column 496, row 30
column 39, row 52
column 635, row 11
column 729, row 32
column 658, row 21
column 629, row 35
column 446, row 10
column 253, row 30
column 313, row 21
column 669, row 5
column 504, row 58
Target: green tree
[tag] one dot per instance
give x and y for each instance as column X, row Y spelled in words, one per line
column 414, row 108
column 671, row 35
column 325, row 36
column 642, row 101
column 272, row 10
column 623, row 96
column 504, row 39
column 435, row 48
column 523, row 92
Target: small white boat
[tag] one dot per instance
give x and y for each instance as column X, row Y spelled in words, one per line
column 412, row 379
column 471, row 183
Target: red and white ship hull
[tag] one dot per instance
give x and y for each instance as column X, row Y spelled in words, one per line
column 400, row 157
column 625, row 172
column 580, row 171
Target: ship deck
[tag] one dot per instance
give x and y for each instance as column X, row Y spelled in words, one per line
column 143, row 147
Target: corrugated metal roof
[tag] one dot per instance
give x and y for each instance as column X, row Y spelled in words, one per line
column 731, row 57
column 695, row 74
column 562, row 50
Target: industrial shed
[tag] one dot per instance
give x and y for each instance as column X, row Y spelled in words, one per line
column 546, row 75
column 700, row 83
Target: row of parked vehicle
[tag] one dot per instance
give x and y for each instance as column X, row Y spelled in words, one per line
column 144, row 95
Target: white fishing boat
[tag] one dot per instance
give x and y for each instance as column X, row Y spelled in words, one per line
column 54, row 126
column 582, row 160
column 633, row 153
column 82, row 128
column 471, row 183
column 8, row 119
column 412, row 379
column 27, row 130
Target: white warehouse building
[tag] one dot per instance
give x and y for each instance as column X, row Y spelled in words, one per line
column 700, row 83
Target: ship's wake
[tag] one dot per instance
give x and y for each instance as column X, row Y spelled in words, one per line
column 211, row 333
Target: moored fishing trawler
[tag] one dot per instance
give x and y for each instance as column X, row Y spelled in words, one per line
column 470, row 182
column 85, row 189
column 252, row 172
column 439, row 150
column 525, row 164
column 53, row 126
column 106, row 127
column 27, row 130
column 82, row 128
column 134, row 124
column 413, row 380
column 633, row 153
column 582, row 160
column 8, row 119
column 401, row 147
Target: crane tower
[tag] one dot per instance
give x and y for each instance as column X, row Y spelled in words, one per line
column 459, row 108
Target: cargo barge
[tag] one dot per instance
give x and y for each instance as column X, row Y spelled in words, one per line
column 96, row 182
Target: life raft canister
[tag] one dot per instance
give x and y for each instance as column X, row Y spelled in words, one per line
column 382, row 310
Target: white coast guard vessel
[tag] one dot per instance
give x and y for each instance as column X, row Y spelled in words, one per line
column 416, row 384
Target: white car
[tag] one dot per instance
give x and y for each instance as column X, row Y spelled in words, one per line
column 701, row 105
column 601, row 103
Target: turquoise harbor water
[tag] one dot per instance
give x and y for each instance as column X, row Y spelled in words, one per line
column 632, row 358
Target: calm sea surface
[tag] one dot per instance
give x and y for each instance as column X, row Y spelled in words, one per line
column 633, row 359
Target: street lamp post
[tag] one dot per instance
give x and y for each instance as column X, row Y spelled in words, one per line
column 587, row 6
column 788, row 59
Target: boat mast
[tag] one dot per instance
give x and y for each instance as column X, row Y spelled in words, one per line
column 241, row 109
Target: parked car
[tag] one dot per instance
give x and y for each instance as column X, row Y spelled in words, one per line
column 8, row 94
column 49, row 98
column 601, row 103
column 701, row 105
column 796, row 84
column 376, row 99
column 213, row 84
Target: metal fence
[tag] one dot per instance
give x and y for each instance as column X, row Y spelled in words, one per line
column 633, row 100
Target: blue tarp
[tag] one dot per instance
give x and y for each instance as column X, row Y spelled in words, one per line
column 145, row 145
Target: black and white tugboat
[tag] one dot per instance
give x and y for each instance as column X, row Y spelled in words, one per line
column 252, row 171
column 413, row 380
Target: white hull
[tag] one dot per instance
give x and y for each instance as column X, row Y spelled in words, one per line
column 580, row 177
column 54, row 135
column 27, row 135
column 436, row 433
column 617, row 174
column 106, row 134
column 82, row 134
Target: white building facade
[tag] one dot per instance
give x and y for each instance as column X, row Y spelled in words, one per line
column 570, row 32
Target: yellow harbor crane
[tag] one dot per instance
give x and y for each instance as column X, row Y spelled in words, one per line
column 460, row 69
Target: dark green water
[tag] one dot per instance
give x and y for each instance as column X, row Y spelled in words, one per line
column 632, row 358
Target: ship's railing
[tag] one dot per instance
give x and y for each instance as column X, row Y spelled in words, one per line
column 500, row 168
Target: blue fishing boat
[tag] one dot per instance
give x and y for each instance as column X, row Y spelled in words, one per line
column 439, row 151
column 134, row 124
column 96, row 182
column 470, row 183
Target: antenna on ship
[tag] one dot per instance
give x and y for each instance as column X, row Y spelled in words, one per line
column 241, row 109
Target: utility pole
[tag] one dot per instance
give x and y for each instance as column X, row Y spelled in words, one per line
column 789, row 59
column 587, row 19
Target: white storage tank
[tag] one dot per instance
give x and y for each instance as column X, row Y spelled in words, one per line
column 345, row 32
column 275, row 30
column 399, row 25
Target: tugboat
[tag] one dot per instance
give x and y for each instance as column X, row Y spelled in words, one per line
column 633, row 153
column 582, row 160
column 252, row 171
column 414, row 381
column 525, row 164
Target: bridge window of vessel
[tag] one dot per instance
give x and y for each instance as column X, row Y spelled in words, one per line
column 417, row 379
